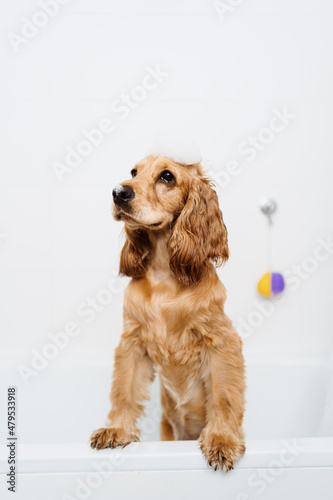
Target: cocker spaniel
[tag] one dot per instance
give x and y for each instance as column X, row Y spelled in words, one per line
column 174, row 320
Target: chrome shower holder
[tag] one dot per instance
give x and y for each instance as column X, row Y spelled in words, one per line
column 268, row 207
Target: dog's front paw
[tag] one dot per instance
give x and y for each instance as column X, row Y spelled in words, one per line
column 221, row 450
column 111, row 437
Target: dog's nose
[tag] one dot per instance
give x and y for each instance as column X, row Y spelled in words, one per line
column 122, row 194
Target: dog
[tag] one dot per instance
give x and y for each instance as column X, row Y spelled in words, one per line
column 174, row 320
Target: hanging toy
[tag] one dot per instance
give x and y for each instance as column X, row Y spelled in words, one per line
column 272, row 283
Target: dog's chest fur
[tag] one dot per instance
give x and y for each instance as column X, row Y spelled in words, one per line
column 174, row 347
column 171, row 342
column 168, row 338
column 174, row 326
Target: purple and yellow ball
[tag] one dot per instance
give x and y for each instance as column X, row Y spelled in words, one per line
column 271, row 284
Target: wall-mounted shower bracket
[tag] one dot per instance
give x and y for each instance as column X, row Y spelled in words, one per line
column 268, row 207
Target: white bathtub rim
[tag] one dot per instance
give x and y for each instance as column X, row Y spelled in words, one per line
column 161, row 456
column 105, row 361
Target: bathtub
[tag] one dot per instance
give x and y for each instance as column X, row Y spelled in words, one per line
column 288, row 425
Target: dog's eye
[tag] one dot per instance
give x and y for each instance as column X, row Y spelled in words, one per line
column 167, row 177
column 134, row 172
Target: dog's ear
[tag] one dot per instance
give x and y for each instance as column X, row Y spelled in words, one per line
column 135, row 253
column 199, row 235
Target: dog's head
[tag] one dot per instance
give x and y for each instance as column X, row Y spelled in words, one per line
column 177, row 199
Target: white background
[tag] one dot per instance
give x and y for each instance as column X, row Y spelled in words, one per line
column 59, row 243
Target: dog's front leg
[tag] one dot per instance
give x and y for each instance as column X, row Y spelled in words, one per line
column 133, row 371
column 222, row 438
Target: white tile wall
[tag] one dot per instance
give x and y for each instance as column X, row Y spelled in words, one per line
column 26, row 142
column 25, row 312
column 83, row 236
column 25, row 217
column 226, row 77
column 101, row 327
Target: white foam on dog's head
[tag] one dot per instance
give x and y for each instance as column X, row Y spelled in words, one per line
column 177, row 147
column 118, row 188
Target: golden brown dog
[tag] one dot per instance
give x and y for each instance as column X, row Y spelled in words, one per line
column 174, row 320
